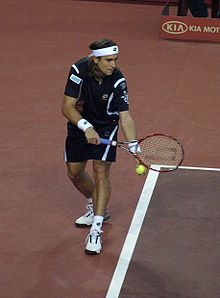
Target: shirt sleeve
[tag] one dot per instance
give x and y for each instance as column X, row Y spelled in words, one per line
column 121, row 96
column 74, row 83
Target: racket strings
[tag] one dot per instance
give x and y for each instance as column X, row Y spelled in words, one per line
column 161, row 150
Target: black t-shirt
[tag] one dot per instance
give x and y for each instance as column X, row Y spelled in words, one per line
column 99, row 104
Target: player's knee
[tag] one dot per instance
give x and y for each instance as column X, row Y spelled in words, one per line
column 74, row 175
column 75, row 171
column 102, row 172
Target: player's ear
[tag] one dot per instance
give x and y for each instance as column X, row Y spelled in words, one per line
column 95, row 59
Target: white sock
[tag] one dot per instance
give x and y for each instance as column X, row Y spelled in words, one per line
column 89, row 201
column 97, row 222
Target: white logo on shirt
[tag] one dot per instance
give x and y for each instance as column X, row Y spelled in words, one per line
column 75, row 79
column 125, row 96
column 104, row 96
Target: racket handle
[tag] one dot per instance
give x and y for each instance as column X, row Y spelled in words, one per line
column 108, row 142
column 105, row 141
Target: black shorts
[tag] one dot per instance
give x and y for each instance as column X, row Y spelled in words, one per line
column 77, row 149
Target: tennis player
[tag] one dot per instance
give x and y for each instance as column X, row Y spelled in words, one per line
column 95, row 101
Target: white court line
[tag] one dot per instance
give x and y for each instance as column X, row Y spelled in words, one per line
column 132, row 236
column 192, row 168
column 199, row 168
column 134, row 230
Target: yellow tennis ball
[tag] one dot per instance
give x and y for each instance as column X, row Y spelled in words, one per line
column 140, row 170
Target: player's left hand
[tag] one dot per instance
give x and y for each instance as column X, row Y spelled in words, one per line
column 134, row 147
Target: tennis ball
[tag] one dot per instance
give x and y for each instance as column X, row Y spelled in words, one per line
column 140, row 170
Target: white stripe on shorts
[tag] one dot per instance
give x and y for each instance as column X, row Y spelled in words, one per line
column 65, row 155
column 109, row 146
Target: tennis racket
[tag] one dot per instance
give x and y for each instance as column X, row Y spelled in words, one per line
column 159, row 152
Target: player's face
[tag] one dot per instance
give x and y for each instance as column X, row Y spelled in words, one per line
column 107, row 64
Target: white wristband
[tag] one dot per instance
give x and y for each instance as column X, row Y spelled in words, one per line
column 83, row 124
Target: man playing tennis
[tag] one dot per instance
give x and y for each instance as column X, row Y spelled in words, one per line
column 95, row 101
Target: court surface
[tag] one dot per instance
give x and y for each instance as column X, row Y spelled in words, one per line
column 163, row 239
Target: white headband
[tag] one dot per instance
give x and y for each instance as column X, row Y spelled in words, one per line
column 105, row 51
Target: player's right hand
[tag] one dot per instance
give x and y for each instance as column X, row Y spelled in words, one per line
column 92, row 136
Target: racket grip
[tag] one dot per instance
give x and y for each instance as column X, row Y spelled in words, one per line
column 108, row 142
column 105, row 141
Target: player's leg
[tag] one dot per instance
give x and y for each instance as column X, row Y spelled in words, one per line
column 85, row 185
column 101, row 171
column 182, row 8
column 76, row 160
column 215, row 9
column 80, row 179
column 198, row 8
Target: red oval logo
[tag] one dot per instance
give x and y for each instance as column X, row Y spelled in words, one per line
column 175, row 27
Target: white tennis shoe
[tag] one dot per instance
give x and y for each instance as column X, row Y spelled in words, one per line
column 86, row 219
column 93, row 242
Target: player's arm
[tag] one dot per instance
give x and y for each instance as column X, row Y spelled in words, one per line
column 70, row 112
column 129, row 131
column 69, row 109
column 128, row 126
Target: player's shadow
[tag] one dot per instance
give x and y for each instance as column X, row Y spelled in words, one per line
column 63, row 266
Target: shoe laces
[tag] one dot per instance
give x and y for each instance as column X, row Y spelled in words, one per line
column 95, row 232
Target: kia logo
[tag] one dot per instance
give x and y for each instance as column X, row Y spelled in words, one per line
column 174, row 27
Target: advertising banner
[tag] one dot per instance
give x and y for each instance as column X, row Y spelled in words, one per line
column 190, row 28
